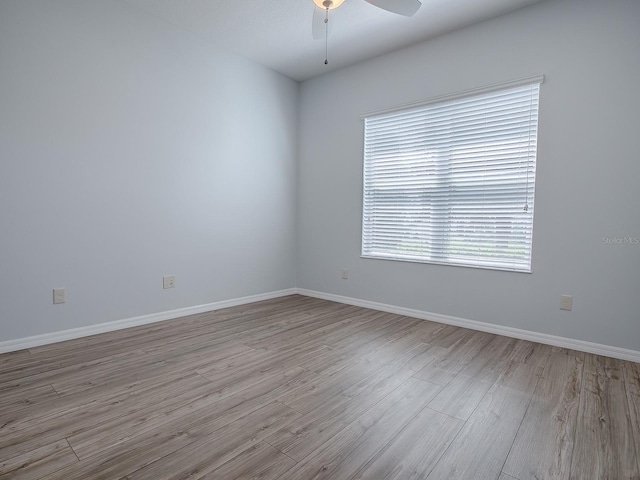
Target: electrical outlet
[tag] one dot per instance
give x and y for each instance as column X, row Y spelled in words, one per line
column 345, row 274
column 169, row 281
column 59, row 295
column 566, row 302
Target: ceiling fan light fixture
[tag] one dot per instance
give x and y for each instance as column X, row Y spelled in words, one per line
column 328, row 4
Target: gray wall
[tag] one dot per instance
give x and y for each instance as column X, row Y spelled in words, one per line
column 587, row 179
column 130, row 150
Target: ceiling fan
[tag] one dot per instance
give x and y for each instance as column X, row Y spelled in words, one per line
column 320, row 24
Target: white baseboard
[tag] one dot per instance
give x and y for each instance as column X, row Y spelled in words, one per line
column 47, row 338
column 596, row 348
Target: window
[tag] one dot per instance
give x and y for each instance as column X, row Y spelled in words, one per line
column 452, row 181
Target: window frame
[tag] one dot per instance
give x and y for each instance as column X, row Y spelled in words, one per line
column 427, row 256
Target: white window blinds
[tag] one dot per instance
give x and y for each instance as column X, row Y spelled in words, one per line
column 453, row 182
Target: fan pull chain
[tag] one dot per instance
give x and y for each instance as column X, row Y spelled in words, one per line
column 326, row 37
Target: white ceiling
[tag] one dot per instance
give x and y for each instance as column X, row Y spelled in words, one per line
column 277, row 34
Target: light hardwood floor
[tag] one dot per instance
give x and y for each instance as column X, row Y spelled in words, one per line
column 300, row 388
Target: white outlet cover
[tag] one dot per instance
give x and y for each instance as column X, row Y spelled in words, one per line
column 566, row 302
column 169, row 281
column 345, row 274
column 59, row 295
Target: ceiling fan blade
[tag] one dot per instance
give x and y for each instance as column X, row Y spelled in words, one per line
column 408, row 8
column 318, row 28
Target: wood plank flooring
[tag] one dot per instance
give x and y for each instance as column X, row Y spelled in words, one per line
column 298, row 388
